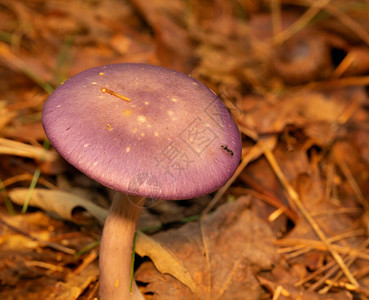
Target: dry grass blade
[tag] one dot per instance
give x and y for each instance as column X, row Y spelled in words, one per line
column 318, row 245
column 296, row 200
column 332, row 264
column 327, row 275
column 331, row 267
column 350, row 261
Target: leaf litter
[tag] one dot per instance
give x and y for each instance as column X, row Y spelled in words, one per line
column 292, row 223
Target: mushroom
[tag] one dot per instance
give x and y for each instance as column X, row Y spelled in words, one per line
column 145, row 131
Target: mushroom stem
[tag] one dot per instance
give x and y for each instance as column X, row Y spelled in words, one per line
column 116, row 249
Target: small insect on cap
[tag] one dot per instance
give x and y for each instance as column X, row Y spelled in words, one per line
column 144, row 130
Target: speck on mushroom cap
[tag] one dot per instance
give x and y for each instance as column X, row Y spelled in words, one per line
column 174, row 140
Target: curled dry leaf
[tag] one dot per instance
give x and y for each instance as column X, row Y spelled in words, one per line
column 63, row 204
column 165, row 261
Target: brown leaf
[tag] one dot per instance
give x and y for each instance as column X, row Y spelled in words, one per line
column 75, row 285
column 65, row 205
column 235, row 254
column 317, row 113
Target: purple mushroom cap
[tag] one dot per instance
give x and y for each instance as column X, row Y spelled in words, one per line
column 174, row 139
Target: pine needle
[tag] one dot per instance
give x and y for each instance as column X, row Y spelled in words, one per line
column 296, row 200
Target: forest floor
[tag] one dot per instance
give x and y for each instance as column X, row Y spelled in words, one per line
column 291, row 224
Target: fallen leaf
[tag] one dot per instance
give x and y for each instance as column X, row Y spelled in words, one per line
column 235, row 255
column 74, row 286
column 65, row 205
column 165, row 261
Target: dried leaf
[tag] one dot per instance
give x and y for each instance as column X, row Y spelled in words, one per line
column 165, row 261
column 235, row 253
column 63, row 204
column 75, row 285
column 318, row 114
